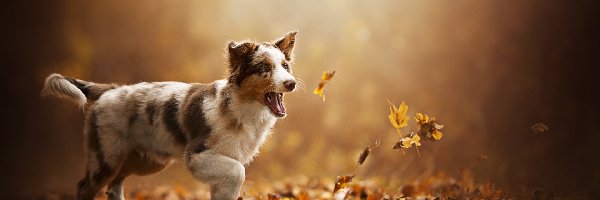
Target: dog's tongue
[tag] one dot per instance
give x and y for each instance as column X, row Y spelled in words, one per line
column 275, row 102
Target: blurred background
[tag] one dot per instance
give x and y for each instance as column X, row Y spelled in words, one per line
column 488, row 70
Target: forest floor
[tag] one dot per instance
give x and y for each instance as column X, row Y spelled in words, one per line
column 304, row 188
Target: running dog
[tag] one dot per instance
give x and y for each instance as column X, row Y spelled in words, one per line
column 217, row 128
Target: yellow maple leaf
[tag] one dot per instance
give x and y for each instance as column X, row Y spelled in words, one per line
column 398, row 116
column 437, row 135
column 324, row 78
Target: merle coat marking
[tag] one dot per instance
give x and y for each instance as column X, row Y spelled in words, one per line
column 216, row 128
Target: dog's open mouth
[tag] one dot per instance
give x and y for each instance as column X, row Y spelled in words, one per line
column 275, row 102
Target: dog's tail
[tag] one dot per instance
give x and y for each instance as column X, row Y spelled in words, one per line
column 75, row 90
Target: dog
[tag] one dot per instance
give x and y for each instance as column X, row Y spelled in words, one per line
column 217, row 128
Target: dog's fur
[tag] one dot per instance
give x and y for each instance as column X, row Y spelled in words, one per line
column 216, row 128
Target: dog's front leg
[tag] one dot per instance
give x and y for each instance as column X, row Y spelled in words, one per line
column 224, row 174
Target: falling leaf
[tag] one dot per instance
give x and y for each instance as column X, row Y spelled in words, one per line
column 324, row 79
column 429, row 129
column 539, row 128
column 363, row 156
column 408, row 141
column 415, row 139
column 437, row 135
column 398, row 116
column 421, row 118
column 342, row 182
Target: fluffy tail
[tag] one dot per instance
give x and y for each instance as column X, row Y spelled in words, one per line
column 75, row 90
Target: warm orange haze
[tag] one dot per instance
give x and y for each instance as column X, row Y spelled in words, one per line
column 486, row 70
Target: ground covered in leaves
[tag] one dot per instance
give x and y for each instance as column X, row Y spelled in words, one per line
column 303, row 188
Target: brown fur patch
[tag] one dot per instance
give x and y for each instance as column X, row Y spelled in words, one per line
column 254, row 88
column 151, row 111
column 192, row 116
column 92, row 91
column 96, row 90
column 93, row 141
column 240, row 55
column 194, row 121
column 134, row 105
column 195, row 146
column 94, row 180
column 225, row 111
column 133, row 118
column 170, row 115
column 261, row 68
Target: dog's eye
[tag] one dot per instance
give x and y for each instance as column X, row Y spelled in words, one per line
column 286, row 66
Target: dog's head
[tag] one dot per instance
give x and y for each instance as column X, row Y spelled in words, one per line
column 263, row 71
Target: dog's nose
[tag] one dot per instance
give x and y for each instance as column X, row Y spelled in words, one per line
column 289, row 84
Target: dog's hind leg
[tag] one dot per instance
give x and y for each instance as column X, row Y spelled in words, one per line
column 115, row 188
column 134, row 164
column 224, row 174
column 97, row 175
column 98, row 171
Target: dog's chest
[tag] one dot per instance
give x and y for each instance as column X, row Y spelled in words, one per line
column 242, row 141
column 248, row 140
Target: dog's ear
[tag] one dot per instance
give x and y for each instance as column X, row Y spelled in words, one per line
column 239, row 53
column 286, row 44
column 237, row 49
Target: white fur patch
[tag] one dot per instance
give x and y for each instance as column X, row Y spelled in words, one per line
column 57, row 85
column 279, row 74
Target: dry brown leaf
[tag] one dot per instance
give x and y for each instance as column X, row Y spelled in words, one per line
column 303, row 195
column 428, row 128
column 363, row 156
column 342, row 182
column 539, row 128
